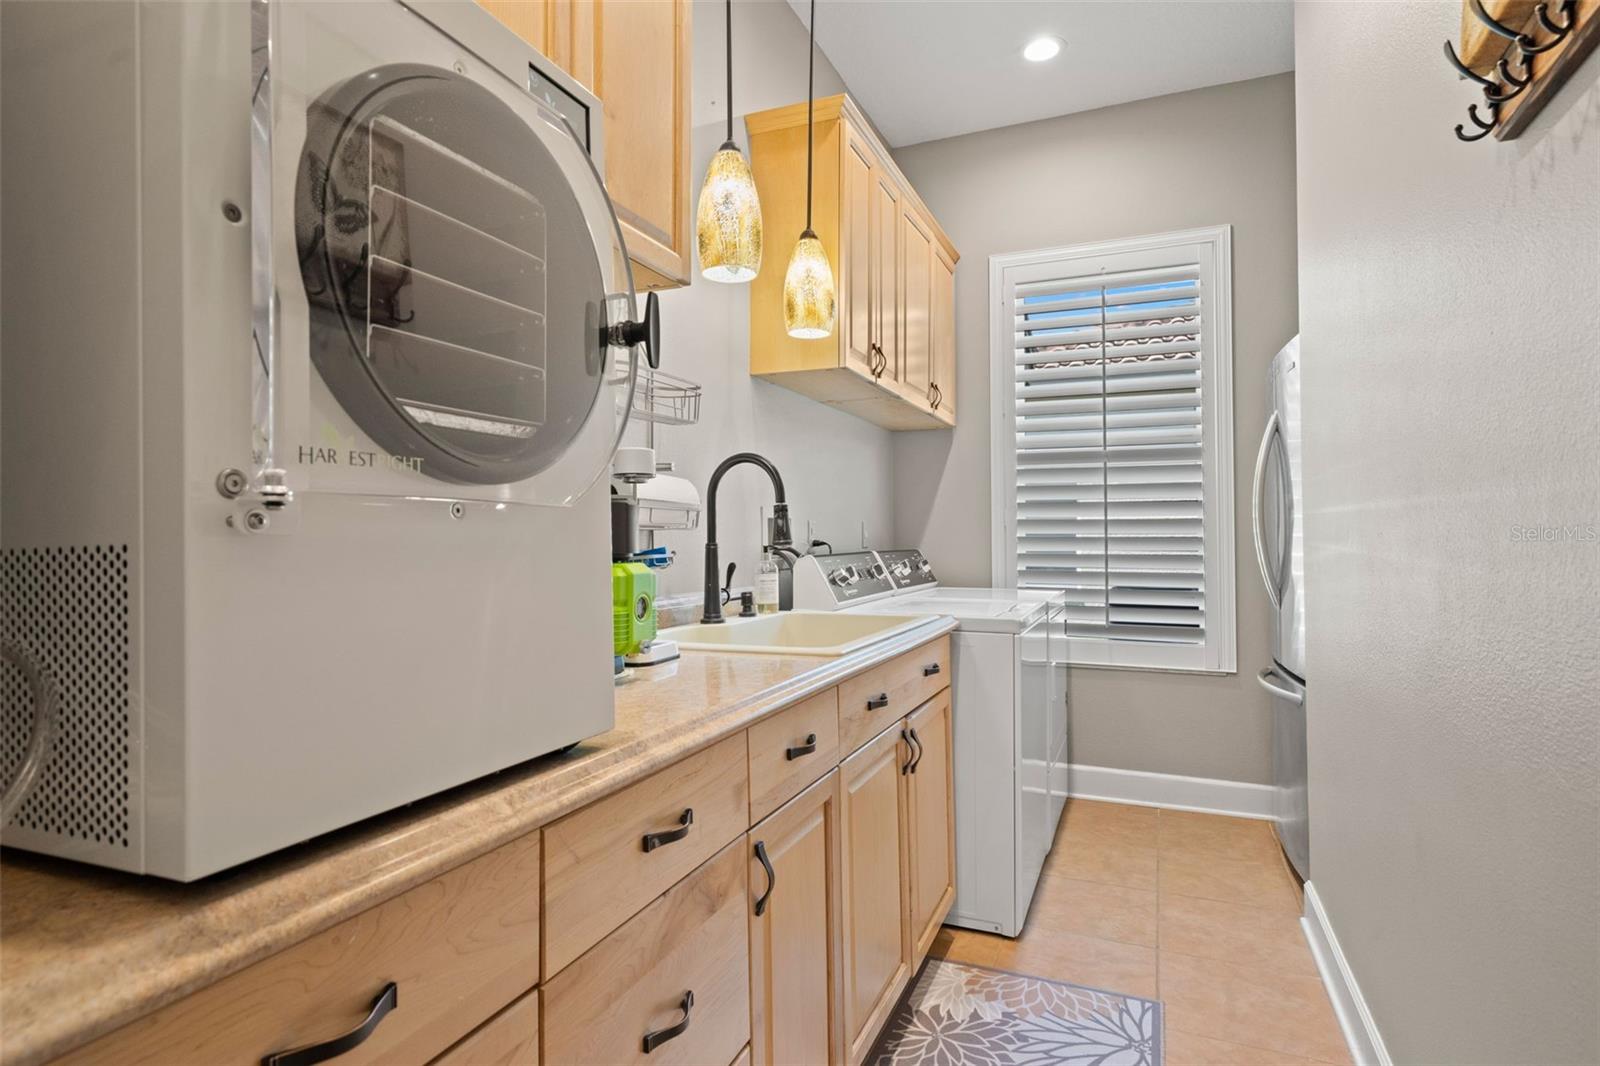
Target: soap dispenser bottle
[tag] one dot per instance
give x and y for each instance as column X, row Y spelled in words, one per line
column 767, row 585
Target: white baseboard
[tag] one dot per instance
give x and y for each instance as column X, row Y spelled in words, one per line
column 1360, row 1031
column 1242, row 799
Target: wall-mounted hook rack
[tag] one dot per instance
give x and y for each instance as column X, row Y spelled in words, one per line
column 1518, row 58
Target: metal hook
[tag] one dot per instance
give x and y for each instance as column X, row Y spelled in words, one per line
column 1464, row 70
column 1530, row 47
column 1500, row 98
column 1568, row 8
column 1511, row 79
column 1484, row 128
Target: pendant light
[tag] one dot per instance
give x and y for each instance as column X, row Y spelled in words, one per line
column 728, row 218
column 808, row 297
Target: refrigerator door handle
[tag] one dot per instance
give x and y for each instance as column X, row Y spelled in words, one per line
column 1268, row 679
column 1256, row 507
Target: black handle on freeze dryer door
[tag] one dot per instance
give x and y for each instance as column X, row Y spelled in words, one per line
column 875, row 702
column 804, row 749
column 646, row 331
column 652, row 841
column 661, row 1036
column 312, row 1054
column 772, row 877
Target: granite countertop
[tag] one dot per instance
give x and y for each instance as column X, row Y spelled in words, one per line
column 85, row 950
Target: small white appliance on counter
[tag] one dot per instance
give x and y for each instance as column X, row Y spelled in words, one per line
column 326, row 335
column 1009, row 688
column 1278, row 516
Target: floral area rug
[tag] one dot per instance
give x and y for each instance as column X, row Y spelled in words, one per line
column 955, row 1014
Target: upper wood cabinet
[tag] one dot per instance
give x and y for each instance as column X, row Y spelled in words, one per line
column 942, row 334
column 891, row 264
column 636, row 58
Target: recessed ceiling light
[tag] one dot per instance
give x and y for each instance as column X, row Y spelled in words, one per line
column 1042, row 48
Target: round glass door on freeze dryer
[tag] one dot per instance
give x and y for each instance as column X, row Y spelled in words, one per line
column 448, row 266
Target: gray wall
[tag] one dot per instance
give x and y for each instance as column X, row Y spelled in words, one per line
column 837, row 469
column 1451, row 340
column 1218, row 155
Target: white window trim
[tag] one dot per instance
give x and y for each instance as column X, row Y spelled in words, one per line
column 1221, row 644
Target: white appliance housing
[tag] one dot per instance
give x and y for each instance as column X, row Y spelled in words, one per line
column 298, row 551
column 1009, row 688
column 1278, row 511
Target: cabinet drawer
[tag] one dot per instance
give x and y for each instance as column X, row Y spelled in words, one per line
column 780, row 763
column 597, row 871
column 692, row 941
column 458, row 948
column 869, row 702
column 510, row 1038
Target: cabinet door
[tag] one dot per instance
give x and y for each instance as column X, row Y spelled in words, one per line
column 877, row 941
column 641, row 64
column 931, row 794
column 916, row 306
column 528, row 19
column 795, row 1014
column 886, row 273
column 943, row 335
column 858, row 186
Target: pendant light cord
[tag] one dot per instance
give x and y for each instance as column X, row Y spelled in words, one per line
column 811, row 99
column 730, row 71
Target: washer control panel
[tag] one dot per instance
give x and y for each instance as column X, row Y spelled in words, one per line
column 908, row 568
column 853, row 576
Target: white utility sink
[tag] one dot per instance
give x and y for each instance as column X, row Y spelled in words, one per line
column 792, row 633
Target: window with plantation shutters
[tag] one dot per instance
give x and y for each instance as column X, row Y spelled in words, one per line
column 1113, row 444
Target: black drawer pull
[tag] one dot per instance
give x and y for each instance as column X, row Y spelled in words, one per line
column 930, row 669
column 315, row 1053
column 875, row 702
column 652, row 841
column 772, row 877
column 661, row 1036
column 917, row 743
column 805, row 749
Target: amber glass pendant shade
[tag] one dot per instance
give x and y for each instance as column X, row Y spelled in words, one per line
column 728, row 219
column 808, row 296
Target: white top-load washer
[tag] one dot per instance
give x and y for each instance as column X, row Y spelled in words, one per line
column 1009, row 689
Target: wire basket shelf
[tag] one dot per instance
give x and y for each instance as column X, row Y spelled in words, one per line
column 666, row 399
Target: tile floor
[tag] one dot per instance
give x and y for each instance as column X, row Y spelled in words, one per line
column 1196, row 910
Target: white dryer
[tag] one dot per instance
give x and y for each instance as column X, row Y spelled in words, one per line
column 1009, row 688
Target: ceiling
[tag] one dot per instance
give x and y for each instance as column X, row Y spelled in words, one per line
column 937, row 68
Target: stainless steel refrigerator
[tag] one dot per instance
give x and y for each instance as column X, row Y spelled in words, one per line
column 1278, row 514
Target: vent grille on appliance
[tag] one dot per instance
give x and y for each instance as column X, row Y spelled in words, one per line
column 69, row 609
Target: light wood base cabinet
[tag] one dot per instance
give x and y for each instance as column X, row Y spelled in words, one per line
column 930, row 789
column 795, row 982
column 510, row 1038
column 677, row 975
column 891, row 355
column 877, row 937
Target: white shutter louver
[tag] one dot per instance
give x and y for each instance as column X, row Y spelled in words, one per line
column 1109, row 375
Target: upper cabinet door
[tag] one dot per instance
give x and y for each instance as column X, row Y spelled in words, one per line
column 528, row 19
column 886, row 273
column 856, row 266
column 916, row 306
column 943, row 336
column 636, row 58
column 642, row 64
